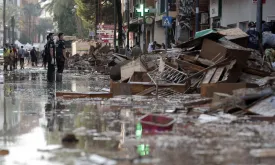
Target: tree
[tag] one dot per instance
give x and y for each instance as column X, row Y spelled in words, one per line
column 64, row 15
column 86, row 10
column 11, row 10
column 31, row 10
column 24, row 38
column 44, row 25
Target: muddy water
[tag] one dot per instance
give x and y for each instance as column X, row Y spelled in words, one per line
column 33, row 122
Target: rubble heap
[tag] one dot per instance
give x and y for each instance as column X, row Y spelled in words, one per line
column 214, row 64
column 98, row 56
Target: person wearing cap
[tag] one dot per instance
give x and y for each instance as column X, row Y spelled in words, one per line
column 60, row 56
column 253, row 39
column 51, row 59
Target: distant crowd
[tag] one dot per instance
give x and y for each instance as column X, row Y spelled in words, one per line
column 14, row 55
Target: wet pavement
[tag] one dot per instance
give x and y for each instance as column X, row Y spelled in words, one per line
column 33, row 123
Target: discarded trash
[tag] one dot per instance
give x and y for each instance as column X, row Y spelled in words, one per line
column 49, row 148
column 98, row 160
column 1, row 78
column 152, row 123
column 203, row 118
column 4, row 152
column 262, row 153
column 69, row 138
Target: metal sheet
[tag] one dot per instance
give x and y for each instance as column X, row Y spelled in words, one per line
column 265, row 107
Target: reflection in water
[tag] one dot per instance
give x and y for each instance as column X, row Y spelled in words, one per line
column 143, row 149
column 104, row 132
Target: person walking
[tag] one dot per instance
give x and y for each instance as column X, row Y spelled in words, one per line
column 33, row 57
column 136, row 51
column 60, row 56
column 6, row 57
column 45, row 53
column 21, row 54
column 15, row 57
column 51, row 59
column 11, row 58
column 27, row 56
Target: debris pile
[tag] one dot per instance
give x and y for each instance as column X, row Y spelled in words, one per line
column 215, row 64
column 97, row 59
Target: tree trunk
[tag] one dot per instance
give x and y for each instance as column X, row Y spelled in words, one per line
column 39, row 34
column 29, row 27
column 119, row 20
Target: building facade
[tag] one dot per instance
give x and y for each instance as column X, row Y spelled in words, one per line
column 238, row 13
column 182, row 25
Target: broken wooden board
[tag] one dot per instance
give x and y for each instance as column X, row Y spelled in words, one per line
column 129, row 68
column 207, row 90
column 256, row 72
column 196, row 60
column 208, row 76
column 216, row 77
column 75, row 95
column 140, row 77
column 189, row 66
column 265, row 107
column 138, row 87
column 225, row 49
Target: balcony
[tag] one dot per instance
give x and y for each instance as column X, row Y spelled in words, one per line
column 172, row 7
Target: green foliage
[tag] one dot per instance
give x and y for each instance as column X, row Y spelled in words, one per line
column 32, row 9
column 44, row 25
column 64, row 15
column 11, row 10
column 24, row 38
column 86, row 11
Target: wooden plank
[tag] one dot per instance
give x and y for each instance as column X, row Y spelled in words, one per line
column 256, row 72
column 208, row 76
column 217, row 75
column 189, row 66
column 207, row 90
column 121, row 89
column 70, row 95
column 196, row 60
column 140, row 87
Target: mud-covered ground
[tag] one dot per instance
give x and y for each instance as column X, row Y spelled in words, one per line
column 33, row 122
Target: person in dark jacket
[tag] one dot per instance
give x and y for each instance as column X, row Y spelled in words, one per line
column 34, row 57
column 51, row 59
column 60, row 56
column 253, row 41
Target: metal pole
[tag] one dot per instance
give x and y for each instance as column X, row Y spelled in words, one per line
column 8, row 31
column 197, row 15
column 115, row 20
column 128, row 21
column 259, row 16
column 12, row 25
column 166, row 27
column 144, row 28
column 4, row 22
column 96, row 18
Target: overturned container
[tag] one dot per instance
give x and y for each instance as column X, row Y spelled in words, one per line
column 153, row 123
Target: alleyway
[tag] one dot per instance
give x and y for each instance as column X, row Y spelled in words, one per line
column 33, row 123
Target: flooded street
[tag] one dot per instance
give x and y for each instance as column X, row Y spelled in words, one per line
column 33, row 124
